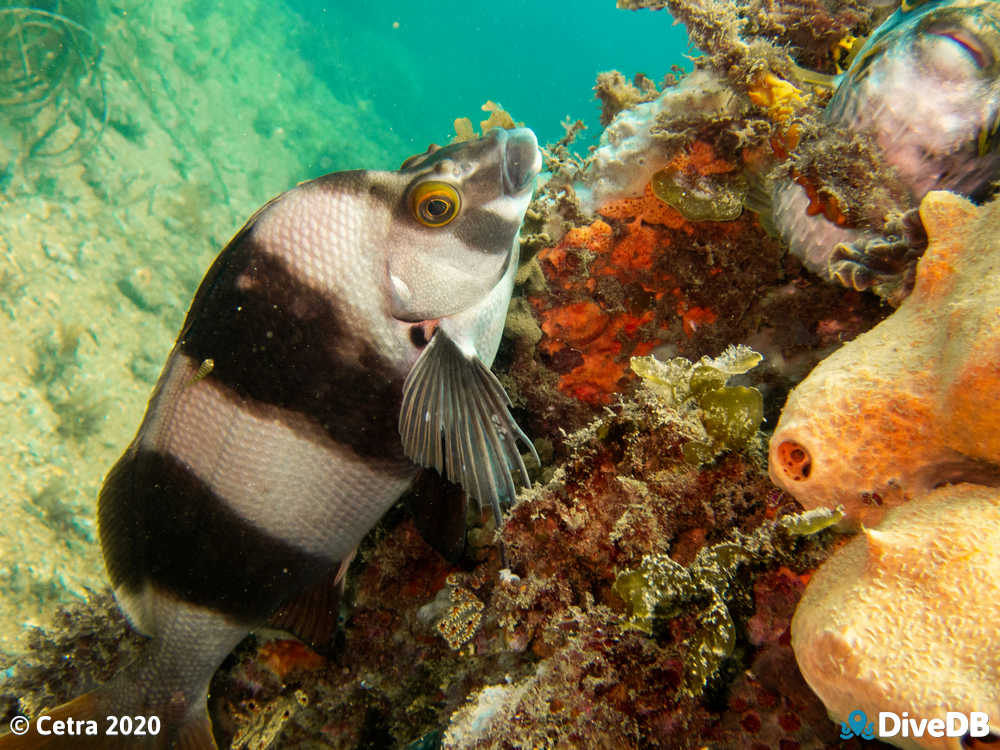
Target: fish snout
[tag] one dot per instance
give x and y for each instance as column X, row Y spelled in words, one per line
column 522, row 160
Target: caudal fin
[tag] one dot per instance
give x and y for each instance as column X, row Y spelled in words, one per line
column 91, row 721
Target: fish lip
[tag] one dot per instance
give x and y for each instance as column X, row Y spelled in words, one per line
column 522, row 160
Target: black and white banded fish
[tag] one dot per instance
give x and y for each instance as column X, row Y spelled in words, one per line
column 341, row 341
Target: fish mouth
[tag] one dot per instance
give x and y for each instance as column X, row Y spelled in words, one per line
column 522, row 160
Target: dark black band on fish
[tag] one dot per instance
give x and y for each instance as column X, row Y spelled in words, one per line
column 160, row 524
column 486, row 231
column 278, row 341
column 456, row 419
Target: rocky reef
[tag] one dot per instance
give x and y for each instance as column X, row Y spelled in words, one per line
column 641, row 593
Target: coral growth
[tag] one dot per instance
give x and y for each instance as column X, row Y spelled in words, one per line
column 744, row 36
column 644, row 138
column 617, row 94
column 86, row 643
column 655, row 252
column 643, row 276
column 898, row 411
column 582, row 549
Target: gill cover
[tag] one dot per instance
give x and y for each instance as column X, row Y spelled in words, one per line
column 458, row 221
column 455, row 415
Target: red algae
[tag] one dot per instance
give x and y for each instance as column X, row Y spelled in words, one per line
column 621, row 289
column 576, row 324
column 648, row 209
column 284, row 657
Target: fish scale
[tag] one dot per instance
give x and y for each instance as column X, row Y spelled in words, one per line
column 285, row 461
column 318, row 231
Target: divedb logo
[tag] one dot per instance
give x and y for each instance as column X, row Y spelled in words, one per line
column 889, row 724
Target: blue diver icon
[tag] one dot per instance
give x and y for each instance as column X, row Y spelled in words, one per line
column 857, row 726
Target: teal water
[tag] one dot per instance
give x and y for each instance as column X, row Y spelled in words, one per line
column 421, row 65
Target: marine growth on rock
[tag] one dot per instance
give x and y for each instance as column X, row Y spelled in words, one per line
column 728, row 415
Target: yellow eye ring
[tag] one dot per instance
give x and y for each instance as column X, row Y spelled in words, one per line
column 435, row 204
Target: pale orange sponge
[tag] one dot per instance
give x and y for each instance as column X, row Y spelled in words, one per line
column 909, row 405
column 903, row 619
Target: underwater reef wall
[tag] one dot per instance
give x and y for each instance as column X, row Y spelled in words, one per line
column 645, row 589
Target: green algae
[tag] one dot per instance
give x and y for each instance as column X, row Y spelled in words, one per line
column 645, row 590
column 704, row 378
column 715, row 197
column 732, row 414
column 660, row 589
column 728, row 417
column 812, row 521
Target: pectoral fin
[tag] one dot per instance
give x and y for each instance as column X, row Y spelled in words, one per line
column 456, row 419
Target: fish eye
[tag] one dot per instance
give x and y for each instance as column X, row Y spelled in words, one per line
column 435, row 204
column 966, row 41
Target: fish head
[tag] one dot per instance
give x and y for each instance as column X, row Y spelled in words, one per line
column 454, row 234
column 945, row 39
column 926, row 85
column 958, row 44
